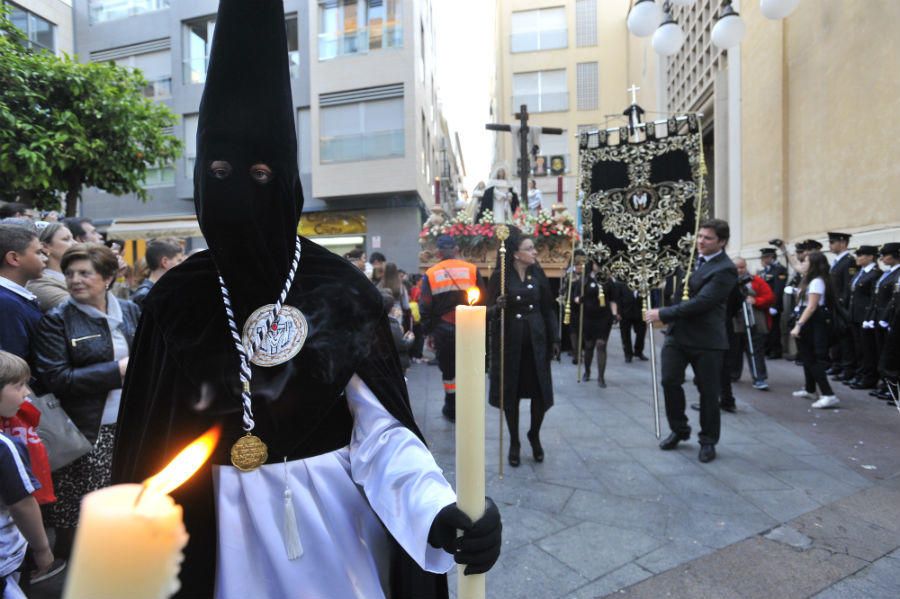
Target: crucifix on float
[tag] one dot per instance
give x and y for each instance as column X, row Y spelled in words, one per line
column 524, row 166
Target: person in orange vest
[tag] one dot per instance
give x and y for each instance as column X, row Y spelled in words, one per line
column 443, row 288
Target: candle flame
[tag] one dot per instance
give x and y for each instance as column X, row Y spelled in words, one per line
column 185, row 464
column 474, row 294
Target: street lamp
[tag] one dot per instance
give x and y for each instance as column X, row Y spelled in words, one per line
column 669, row 38
column 729, row 30
column 777, row 9
column 644, row 18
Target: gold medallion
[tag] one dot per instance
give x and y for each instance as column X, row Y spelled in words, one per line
column 282, row 341
column 249, row 453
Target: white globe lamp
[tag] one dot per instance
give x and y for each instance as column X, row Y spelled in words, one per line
column 729, row 30
column 644, row 18
column 777, row 9
column 669, row 38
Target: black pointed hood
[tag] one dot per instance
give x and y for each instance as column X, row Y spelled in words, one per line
column 246, row 120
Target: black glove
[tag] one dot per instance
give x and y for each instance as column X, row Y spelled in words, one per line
column 479, row 545
column 501, row 301
column 557, row 349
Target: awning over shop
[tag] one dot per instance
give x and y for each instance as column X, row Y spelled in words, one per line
column 151, row 228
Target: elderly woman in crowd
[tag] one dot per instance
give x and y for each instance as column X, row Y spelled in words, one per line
column 82, row 349
column 51, row 289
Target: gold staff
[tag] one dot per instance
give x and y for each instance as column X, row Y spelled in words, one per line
column 502, row 233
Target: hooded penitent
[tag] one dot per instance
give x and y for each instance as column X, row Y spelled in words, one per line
column 183, row 370
column 246, row 181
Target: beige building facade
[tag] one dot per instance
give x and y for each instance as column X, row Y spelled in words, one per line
column 571, row 62
column 799, row 119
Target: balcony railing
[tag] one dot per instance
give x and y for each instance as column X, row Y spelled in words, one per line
column 368, row 146
column 109, row 10
column 361, row 41
column 534, row 41
column 547, row 102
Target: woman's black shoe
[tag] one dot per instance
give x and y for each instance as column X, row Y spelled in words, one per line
column 514, row 460
column 536, row 448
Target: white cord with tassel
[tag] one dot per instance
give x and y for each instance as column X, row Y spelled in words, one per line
column 290, row 529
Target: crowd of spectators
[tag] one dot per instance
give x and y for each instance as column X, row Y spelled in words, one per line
column 69, row 309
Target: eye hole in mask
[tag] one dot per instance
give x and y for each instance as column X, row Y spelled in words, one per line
column 220, row 169
column 261, row 173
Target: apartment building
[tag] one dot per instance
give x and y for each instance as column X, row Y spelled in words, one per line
column 47, row 24
column 571, row 63
column 368, row 120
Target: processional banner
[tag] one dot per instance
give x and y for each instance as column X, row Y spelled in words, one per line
column 642, row 200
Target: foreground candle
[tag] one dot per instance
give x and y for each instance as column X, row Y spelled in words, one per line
column 470, row 354
column 130, row 537
column 123, row 551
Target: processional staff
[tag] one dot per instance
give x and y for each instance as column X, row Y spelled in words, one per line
column 502, row 233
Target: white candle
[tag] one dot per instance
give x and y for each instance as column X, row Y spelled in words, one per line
column 130, row 537
column 470, row 408
column 123, row 551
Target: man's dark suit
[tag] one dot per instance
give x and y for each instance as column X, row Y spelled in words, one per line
column 630, row 310
column 844, row 352
column 697, row 336
column 862, row 288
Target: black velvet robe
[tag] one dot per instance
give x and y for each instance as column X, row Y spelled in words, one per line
column 182, row 379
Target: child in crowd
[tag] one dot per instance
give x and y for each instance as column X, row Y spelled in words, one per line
column 21, row 525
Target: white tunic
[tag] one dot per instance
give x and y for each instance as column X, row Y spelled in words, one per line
column 343, row 500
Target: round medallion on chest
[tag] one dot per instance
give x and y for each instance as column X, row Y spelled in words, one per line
column 283, row 339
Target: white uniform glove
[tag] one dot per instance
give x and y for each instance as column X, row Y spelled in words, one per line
column 883, row 324
column 868, row 324
column 789, row 290
column 773, row 311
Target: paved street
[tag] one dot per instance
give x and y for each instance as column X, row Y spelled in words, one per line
column 799, row 503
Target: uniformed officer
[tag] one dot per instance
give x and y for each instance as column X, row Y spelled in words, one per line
column 775, row 276
column 843, row 269
column 862, row 288
column 879, row 310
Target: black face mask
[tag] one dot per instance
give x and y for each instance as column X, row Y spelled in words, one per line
column 246, row 181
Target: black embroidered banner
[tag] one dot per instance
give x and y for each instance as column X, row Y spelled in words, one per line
column 640, row 200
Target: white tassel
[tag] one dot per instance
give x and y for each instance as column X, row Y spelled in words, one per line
column 290, row 530
column 291, row 533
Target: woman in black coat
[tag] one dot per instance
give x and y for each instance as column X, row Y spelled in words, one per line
column 82, row 348
column 531, row 341
column 599, row 313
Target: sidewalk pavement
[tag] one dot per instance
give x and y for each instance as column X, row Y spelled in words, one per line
column 773, row 516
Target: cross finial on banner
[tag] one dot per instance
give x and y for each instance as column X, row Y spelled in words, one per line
column 633, row 90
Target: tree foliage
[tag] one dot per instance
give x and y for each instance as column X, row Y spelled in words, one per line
column 65, row 125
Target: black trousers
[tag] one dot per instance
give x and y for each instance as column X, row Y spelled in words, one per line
column 707, row 365
column 640, row 331
column 773, row 339
column 868, row 364
column 726, row 396
column 812, row 345
column 444, row 335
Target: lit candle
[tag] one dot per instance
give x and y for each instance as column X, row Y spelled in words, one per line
column 470, row 352
column 130, row 537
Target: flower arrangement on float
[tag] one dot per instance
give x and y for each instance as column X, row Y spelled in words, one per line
column 546, row 228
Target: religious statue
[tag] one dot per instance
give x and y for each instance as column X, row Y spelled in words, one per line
column 499, row 198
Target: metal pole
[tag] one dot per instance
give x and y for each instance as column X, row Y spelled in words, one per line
column 580, row 349
column 646, row 294
column 748, row 326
